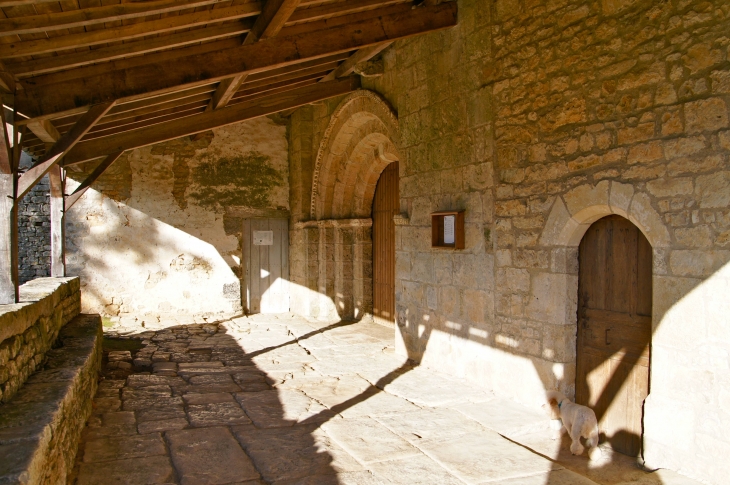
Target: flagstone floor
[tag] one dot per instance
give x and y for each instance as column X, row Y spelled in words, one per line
column 283, row 400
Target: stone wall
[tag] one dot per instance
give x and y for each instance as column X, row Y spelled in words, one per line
column 157, row 241
column 34, row 230
column 538, row 118
column 29, row 329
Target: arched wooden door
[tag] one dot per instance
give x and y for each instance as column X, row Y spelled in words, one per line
column 386, row 204
column 614, row 329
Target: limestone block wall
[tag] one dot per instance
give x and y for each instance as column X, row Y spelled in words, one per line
column 29, row 329
column 157, row 241
column 538, row 118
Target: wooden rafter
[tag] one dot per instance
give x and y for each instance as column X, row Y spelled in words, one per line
column 92, row 149
column 98, row 171
column 225, row 91
column 61, row 147
column 274, row 15
column 362, row 55
column 189, row 68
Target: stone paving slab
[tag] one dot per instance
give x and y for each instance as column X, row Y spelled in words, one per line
column 294, row 452
column 557, row 477
column 209, row 455
column 506, row 417
column 369, row 441
column 484, row 456
column 120, row 447
column 414, row 470
column 216, row 414
column 136, row 471
column 293, row 406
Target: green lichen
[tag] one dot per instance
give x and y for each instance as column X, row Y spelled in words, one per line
column 234, row 181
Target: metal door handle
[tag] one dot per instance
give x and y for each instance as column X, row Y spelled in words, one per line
column 607, row 342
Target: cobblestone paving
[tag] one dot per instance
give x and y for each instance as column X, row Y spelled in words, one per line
column 282, row 400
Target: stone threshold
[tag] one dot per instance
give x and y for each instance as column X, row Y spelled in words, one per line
column 41, row 425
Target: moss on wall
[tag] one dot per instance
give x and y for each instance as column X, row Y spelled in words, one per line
column 244, row 180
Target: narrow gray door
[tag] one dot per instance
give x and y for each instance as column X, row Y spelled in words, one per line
column 266, row 254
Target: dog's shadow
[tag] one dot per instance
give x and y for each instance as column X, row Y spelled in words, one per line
column 610, row 468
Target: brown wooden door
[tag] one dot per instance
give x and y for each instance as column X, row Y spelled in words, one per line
column 386, row 204
column 614, row 329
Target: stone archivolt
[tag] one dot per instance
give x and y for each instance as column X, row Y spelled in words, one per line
column 359, row 142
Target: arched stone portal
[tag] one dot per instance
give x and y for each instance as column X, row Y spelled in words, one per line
column 360, row 140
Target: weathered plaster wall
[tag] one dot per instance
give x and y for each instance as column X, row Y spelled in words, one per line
column 538, row 118
column 158, row 239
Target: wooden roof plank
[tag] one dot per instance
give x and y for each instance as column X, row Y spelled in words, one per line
column 80, row 87
column 85, row 17
column 128, row 31
column 118, row 51
column 330, row 10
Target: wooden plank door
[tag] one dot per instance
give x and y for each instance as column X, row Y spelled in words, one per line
column 266, row 257
column 614, row 329
column 386, row 204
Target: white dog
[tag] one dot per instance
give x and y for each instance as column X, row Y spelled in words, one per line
column 579, row 421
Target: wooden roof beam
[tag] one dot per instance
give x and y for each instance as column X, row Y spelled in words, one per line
column 189, row 125
column 103, row 83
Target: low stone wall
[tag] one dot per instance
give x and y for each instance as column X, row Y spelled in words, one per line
column 41, row 426
column 29, row 329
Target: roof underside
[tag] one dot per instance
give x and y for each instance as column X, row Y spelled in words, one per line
column 172, row 68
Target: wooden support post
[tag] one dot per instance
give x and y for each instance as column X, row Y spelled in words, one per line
column 8, row 215
column 57, row 178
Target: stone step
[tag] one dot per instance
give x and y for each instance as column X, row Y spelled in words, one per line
column 41, row 426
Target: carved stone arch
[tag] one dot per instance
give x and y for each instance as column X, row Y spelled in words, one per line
column 573, row 214
column 359, row 142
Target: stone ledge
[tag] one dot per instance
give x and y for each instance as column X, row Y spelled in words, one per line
column 41, row 426
column 37, row 298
